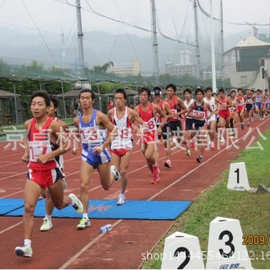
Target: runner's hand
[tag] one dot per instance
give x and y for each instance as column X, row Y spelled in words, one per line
column 25, row 157
column 98, row 149
column 43, row 158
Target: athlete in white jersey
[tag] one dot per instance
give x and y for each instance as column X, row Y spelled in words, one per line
column 212, row 120
column 121, row 146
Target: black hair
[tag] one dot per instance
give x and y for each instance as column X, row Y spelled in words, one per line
column 55, row 102
column 93, row 96
column 188, row 91
column 157, row 88
column 171, row 86
column 144, row 89
column 42, row 94
column 209, row 89
column 198, row 90
column 233, row 91
column 121, row 91
column 239, row 89
column 221, row 90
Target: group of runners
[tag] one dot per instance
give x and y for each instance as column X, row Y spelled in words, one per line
column 107, row 141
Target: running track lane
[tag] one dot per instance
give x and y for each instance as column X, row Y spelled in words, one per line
column 128, row 239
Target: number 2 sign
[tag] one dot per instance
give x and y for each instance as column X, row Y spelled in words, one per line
column 182, row 251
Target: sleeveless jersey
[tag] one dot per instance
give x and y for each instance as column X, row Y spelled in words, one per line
column 249, row 99
column 91, row 135
column 39, row 144
column 199, row 111
column 124, row 138
column 173, row 107
column 188, row 105
column 223, row 104
column 148, row 117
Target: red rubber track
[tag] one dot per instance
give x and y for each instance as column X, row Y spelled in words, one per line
column 125, row 245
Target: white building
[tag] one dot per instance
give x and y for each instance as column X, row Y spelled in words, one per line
column 126, row 70
column 242, row 64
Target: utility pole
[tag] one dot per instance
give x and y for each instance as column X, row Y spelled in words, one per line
column 198, row 60
column 222, row 43
column 213, row 56
column 155, row 42
column 80, row 35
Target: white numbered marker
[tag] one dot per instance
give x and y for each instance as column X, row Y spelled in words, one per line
column 225, row 249
column 182, row 251
column 238, row 178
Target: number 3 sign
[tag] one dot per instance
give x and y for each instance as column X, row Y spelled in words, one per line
column 225, row 249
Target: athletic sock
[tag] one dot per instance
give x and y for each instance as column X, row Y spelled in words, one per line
column 48, row 217
column 27, row 242
column 85, row 215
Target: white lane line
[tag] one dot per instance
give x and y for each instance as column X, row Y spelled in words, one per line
column 11, row 227
column 91, row 243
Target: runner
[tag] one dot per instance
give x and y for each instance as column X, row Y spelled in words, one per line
column 198, row 113
column 212, row 120
column 223, row 113
column 188, row 102
column 121, row 147
column 249, row 100
column 173, row 127
column 233, row 110
column 43, row 170
column 164, row 106
column 147, row 112
column 266, row 102
column 49, row 206
column 93, row 127
column 240, row 108
column 259, row 100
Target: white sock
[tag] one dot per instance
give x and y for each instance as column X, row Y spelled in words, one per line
column 85, row 215
column 27, row 242
column 48, row 217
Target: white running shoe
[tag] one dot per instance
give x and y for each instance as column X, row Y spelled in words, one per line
column 76, row 203
column 121, row 199
column 84, row 223
column 46, row 225
column 212, row 145
column 24, row 251
column 115, row 172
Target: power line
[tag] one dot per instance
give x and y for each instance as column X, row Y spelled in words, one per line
column 38, row 30
column 234, row 23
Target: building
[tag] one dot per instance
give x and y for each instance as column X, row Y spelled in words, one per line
column 179, row 70
column 243, row 63
column 126, row 70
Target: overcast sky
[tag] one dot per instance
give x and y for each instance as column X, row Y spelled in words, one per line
column 174, row 16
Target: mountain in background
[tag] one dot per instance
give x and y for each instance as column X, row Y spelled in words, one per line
column 22, row 47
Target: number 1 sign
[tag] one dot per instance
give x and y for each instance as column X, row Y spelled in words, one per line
column 225, row 249
column 238, row 179
column 182, row 251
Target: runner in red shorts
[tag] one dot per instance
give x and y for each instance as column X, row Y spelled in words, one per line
column 223, row 111
column 147, row 112
column 240, row 108
column 121, row 146
column 43, row 171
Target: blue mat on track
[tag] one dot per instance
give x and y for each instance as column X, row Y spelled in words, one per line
column 8, row 205
column 107, row 209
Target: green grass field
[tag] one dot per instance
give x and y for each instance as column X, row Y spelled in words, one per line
column 253, row 210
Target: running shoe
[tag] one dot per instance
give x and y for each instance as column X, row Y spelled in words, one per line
column 212, row 145
column 199, row 159
column 188, row 153
column 168, row 163
column 24, row 251
column 115, row 172
column 46, row 225
column 84, row 223
column 121, row 199
column 76, row 203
